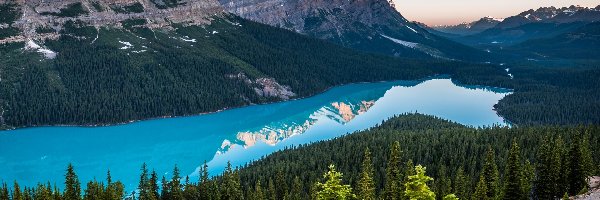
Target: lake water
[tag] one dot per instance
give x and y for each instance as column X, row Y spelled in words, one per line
column 239, row 135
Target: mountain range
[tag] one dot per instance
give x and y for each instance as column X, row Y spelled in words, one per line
column 469, row 28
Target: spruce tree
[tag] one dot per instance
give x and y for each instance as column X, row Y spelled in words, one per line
column 409, row 170
column 443, row 185
column 4, row 195
column 153, row 185
column 231, row 188
column 295, row 190
column 203, row 183
column 577, row 167
column 332, row 188
column 528, row 176
column 143, row 185
column 481, row 190
column 513, row 177
column 175, row 185
column 491, row 174
column 271, row 192
column 460, row 184
column 165, row 192
column 416, row 187
column 544, row 181
column 258, row 191
column 392, row 188
column 366, row 184
column 280, row 182
column 17, row 195
column 93, row 191
column 72, row 185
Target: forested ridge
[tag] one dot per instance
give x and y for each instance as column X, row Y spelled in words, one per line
column 105, row 75
column 383, row 162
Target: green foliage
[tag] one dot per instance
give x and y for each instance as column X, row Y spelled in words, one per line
column 366, row 184
column 133, row 8
column 231, row 187
column 72, row 185
column 416, row 187
column 461, row 187
column 491, row 174
column 450, row 197
column 333, row 189
column 513, row 177
column 9, row 13
column 481, row 192
column 393, row 186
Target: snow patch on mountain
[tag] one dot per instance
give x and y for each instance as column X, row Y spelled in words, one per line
column 402, row 42
column 48, row 54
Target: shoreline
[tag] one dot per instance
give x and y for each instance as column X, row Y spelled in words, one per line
column 435, row 76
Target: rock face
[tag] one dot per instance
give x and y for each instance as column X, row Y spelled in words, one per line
column 358, row 24
column 53, row 14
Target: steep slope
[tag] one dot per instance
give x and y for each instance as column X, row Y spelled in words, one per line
column 85, row 67
column 368, row 25
column 470, row 28
column 579, row 44
column 533, row 24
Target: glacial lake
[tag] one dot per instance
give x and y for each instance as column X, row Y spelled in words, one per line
column 239, row 135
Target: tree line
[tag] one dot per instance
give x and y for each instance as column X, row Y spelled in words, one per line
column 499, row 163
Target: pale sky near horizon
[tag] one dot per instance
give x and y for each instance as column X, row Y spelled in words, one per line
column 449, row 12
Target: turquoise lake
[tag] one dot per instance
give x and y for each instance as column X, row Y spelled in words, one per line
column 31, row 155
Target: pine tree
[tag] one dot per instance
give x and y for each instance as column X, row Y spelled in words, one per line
column 366, row 184
column 333, row 189
column 72, row 185
column 280, row 182
column 416, row 187
column 528, row 176
column 271, row 193
column 296, row 190
column 544, row 181
column 143, row 185
column 443, row 185
column 460, row 184
column 203, row 183
column 577, row 167
column 258, row 192
column 231, row 188
column 409, row 170
column 165, row 192
column 513, row 177
column 153, row 185
column 17, row 195
column 450, row 197
column 175, row 185
column 491, row 174
column 392, row 188
column 481, row 190
column 4, row 195
column 93, row 191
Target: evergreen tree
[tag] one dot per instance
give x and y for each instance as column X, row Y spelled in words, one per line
column 165, row 192
column 144, row 185
column 93, row 191
column 513, row 178
column 460, row 184
column 528, row 177
column 450, row 197
column 416, row 187
column 72, row 185
column 392, row 188
column 214, row 189
column 17, row 195
column 231, row 188
column 175, row 185
column 481, row 190
column 203, row 183
column 491, row 174
column 271, row 193
column 153, row 185
column 333, row 189
column 578, row 171
column 4, row 195
column 544, row 181
column 409, row 170
column 280, row 182
column 258, row 192
column 296, row 190
column 443, row 185
column 366, row 184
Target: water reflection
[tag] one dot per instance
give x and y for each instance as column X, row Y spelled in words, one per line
column 238, row 135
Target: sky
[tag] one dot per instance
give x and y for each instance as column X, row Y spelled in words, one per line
column 449, row 12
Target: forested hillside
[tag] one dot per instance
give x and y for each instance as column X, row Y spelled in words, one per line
column 489, row 163
column 109, row 75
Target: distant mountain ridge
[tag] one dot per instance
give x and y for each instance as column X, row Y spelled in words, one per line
column 470, row 28
column 552, row 15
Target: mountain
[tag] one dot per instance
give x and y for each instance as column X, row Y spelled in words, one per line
column 470, row 28
column 544, row 22
column 577, row 44
column 82, row 62
column 367, row 25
